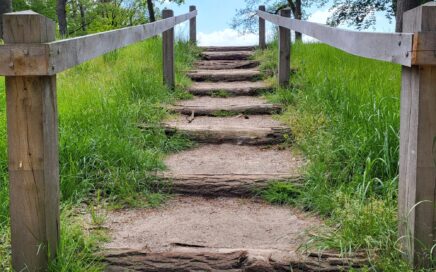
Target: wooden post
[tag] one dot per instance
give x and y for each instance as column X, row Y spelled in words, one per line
column 168, row 52
column 417, row 187
column 193, row 27
column 284, row 51
column 32, row 125
column 262, row 36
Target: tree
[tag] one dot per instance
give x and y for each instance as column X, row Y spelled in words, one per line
column 401, row 7
column 61, row 10
column 151, row 7
column 5, row 7
column 246, row 20
column 361, row 13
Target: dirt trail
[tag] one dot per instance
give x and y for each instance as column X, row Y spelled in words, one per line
column 237, row 157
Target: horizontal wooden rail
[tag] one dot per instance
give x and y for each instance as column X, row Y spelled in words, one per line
column 54, row 57
column 391, row 47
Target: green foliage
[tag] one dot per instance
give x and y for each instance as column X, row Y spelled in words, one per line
column 281, row 193
column 344, row 114
column 103, row 153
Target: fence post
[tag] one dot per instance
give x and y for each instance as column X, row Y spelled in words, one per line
column 193, row 27
column 262, row 36
column 417, row 186
column 32, row 150
column 168, row 52
column 284, row 51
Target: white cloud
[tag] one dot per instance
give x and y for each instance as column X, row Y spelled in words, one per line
column 227, row 37
column 320, row 16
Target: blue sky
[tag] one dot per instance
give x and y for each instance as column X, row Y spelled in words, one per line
column 215, row 16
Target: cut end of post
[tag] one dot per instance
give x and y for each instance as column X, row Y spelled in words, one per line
column 286, row 12
column 167, row 13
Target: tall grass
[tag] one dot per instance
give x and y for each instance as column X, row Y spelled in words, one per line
column 344, row 114
column 102, row 150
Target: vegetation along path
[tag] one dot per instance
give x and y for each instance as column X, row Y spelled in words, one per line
column 214, row 223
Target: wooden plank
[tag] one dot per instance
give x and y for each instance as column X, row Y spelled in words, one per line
column 71, row 52
column 54, row 57
column 390, row 47
column 262, row 35
column 417, row 187
column 32, row 152
column 168, row 52
column 193, row 27
column 424, row 48
column 284, row 51
column 24, row 59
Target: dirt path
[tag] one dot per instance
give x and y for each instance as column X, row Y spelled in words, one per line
column 237, row 156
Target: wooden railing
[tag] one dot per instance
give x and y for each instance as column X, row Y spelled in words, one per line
column 30, row 60
column 415, row 50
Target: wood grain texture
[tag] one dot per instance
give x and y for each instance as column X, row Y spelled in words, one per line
column 225, row 75
column 57, row 56
column 33, row 152
column 230, row 88
column 169, row 74
column 417, row 186
column 390, row 47
column 284, row 70
column 193, row 27
column 262, row 31
column 225, row 64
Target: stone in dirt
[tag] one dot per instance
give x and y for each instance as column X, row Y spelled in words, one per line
column 229, row 170
column 214, row 106
column 243, row 130
column 229, row 88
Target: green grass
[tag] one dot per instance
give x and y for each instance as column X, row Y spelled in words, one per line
column 103, row 153
column 344, row 114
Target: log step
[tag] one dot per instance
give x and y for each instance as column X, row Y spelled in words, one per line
column 212, row 106
column 229, row 170
column 227, row 48
column 241, row 130
column 221, row 234
column 226, row 64
column 228, row 55
column 229, row 88
column 225, row 75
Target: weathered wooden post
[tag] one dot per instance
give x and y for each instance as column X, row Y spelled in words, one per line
column 417, row 188
column 262, row 35
column 32, row 124
column 168, row 52
column 284, row 51
column 193, row 27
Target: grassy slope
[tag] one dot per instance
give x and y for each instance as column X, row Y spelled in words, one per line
column 103, row 153
column 344, row 112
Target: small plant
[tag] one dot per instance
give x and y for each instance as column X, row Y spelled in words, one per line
column 281, row 193
column 221, row 93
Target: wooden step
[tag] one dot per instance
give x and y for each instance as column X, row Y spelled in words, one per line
column 230, row 170
column 215, row 106
column 226, row 64
column 241, row 130
column 229, row 55
column 227, row 48
column 229, row 88
column 225, row 75
column 216, row 234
